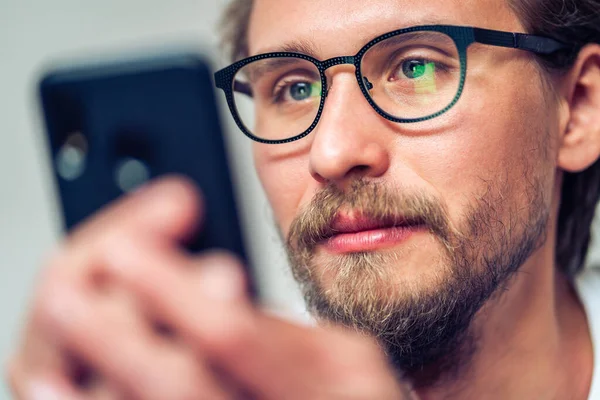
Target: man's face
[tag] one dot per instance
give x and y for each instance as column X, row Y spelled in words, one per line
column 468, row 192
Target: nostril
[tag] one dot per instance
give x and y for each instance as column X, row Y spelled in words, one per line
column 358, row 170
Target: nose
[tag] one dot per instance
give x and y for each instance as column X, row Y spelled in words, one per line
column 351, row 140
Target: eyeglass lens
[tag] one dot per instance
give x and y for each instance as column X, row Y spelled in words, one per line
column 409, row 76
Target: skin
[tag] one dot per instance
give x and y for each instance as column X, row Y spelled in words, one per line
column 98, row 300
column 453, row 157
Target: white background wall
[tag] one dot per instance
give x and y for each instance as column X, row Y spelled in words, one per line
column 34, row 32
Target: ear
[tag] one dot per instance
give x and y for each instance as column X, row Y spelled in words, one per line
column 580, row 144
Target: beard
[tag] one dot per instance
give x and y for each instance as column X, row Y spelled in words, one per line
column 424, row 323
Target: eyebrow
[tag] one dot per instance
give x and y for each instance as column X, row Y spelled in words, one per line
column 301, row 46
column 408, row 36
column 309, row 48
column 269, row 65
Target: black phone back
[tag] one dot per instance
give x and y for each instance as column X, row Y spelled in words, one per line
column 113, row 126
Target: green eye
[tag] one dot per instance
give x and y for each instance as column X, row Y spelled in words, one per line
column 301, row 91
column 414, row 69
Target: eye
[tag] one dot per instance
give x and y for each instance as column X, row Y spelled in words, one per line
column 294, row 90
column 300, row 91
column 417, row 68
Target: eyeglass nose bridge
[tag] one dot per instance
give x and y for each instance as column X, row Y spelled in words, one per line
column 332, row 62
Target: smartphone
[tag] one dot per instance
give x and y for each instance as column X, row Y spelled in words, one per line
column 113, row 126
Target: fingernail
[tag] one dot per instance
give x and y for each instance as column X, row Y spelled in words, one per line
column 40, row 390
column 221, row 282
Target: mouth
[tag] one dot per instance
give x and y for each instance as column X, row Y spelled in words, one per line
column 353, row 233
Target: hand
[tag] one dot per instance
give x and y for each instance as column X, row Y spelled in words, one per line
column 121, row 312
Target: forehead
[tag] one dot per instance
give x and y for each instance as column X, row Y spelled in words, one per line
column 338, row 27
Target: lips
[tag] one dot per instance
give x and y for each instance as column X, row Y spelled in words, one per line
column 359, row 233
column 345, row 223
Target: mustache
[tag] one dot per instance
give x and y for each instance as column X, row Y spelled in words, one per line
column 373, row 200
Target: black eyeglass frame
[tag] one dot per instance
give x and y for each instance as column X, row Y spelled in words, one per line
column 463, row 37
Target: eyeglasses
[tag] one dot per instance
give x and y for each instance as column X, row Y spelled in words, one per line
column 408, row 75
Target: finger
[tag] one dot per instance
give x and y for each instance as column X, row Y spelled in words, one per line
column 165, row 212
column 123, row 349
column 334, row 362
column 39, row 355
column 47, row 386
column 104, row 390
column 203, row 299
column 168, row 208
column 180, row 291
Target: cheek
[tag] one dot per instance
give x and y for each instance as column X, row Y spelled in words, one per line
column 487, row 140
column 285, row 179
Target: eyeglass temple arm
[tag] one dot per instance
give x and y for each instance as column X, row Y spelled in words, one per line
column 239, row 87
column 536, row 44
column 243, row 88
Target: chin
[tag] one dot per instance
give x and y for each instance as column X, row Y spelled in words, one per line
column 418, row 264
column 384, row 279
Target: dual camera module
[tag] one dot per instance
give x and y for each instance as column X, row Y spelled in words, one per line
column 74, row 146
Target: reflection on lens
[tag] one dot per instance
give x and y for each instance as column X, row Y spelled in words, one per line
column 278, row 98
column 413, row 75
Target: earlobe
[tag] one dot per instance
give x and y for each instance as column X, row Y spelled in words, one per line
column 580, row 144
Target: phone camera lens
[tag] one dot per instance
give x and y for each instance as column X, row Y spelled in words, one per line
column 71, row 157
column 131, row 173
